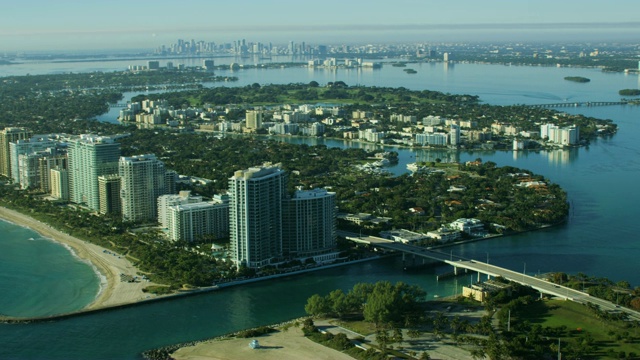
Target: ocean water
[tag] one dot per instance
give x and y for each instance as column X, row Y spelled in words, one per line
column 39, row 277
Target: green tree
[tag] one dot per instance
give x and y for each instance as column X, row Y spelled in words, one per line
column 317, row 306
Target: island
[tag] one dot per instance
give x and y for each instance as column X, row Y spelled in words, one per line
column 578, row 79
column 629, row 92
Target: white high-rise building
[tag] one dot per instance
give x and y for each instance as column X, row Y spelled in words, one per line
column 255, row 215
column 90, row 156
column 19, row 152
column 188, row 221
column 59, row 184
column 309, row 225
column 563, row 136
column 7, row 136
column 253, row 119
column 142, row 182
column 167, row 201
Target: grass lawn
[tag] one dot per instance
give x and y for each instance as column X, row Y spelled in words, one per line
column 578, row 319
column 359, row 326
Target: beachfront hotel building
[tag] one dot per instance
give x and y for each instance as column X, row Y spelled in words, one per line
column 90, row 156
column 7, row 136
column 24, row 155
column 109, row 192
column 166, row 201
column 143, row 180
column 255, row 215
column 46, row 164
column 309, row 225
column 59, row 180
column 190, row 221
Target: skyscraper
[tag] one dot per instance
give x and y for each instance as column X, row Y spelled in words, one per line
column 142, row 182
column 454, row 135
column 23, row 158
column 255, row 215
column 9, row 135
column 109, row 190
column 60, row 184
column 169, row 200
column 309, row 225
column 253, row 119
column 90, row 156
column 189, row 221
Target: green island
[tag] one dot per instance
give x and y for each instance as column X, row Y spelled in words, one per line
column 516, row 199
column 579, row 79
column 629, row 92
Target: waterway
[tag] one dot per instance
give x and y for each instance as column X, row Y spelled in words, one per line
column 599, row 238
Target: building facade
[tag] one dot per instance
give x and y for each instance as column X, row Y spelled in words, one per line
column 562, row 136
column 7, row 136
column 309, row 224
column 142, row 182
column 109, row 191
column 60, row 184
column 24, row 155
column 253, row 119
column 90, row 156
column 190, row 221
column 169, row 200
column 255, row 215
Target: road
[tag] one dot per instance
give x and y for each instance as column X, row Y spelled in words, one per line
column 541, row 285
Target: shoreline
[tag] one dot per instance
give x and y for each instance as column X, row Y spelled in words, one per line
column 107, row 264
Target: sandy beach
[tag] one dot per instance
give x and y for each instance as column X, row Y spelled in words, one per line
column 109, row 264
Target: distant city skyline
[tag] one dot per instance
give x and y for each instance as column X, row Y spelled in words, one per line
column 41, row 25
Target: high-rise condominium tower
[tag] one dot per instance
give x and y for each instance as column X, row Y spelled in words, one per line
column 143, row 180
column 90, row 156
column 255, row 215
column 9, row 135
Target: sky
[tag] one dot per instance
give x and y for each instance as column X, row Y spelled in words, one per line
column 39, row 25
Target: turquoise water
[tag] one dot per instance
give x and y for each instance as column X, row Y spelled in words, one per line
column 599, row 239
column 38, row 277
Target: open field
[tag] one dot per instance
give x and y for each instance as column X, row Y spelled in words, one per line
column 580, row 322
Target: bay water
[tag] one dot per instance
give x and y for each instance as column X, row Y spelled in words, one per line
column 599, row 239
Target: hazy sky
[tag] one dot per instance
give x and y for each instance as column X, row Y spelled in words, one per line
column 98, row 24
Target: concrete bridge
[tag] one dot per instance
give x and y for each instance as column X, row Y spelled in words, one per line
column 579, row 104
column 543, row 286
